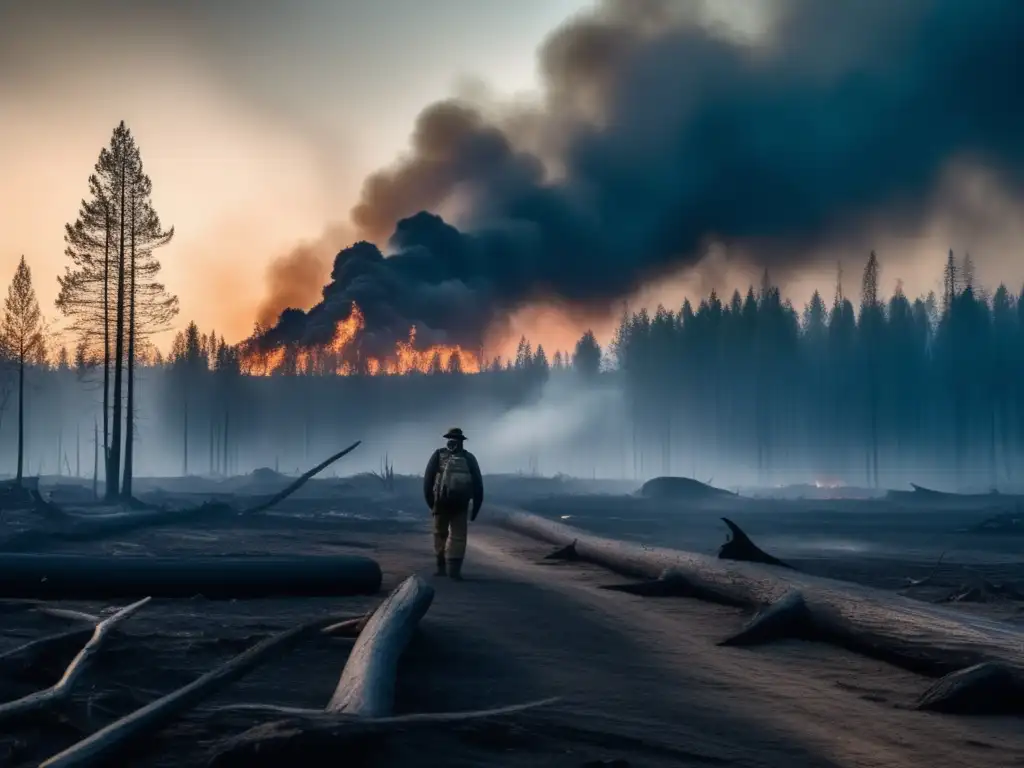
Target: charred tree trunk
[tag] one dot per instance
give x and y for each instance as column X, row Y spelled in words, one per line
column 129, row 439
column 993, row 463
column 21, row 418
column 95, row 460
column 184, row 439
column 224, row 444
column 72, row 577
column 922, row 638
column 114, row 458
column 108, row 230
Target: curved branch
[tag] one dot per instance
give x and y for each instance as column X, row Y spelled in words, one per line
column 299, row 482
column 103, row 745
column 60, row 690
column 310, row 730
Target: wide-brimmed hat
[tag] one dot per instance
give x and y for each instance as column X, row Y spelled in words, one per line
column 455, row 433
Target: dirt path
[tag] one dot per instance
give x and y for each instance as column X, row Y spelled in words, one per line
column 649, row 670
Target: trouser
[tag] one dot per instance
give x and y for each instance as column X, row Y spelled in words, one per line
column 451, row 526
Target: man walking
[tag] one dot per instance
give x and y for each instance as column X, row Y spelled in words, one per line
column 451, row 483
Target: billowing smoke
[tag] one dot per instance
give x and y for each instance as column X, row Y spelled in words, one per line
column 294, row 279
column 659, row 135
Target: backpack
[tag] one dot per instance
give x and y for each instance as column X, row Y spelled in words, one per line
column 454, row 482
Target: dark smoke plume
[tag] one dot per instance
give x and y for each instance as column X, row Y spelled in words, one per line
column 659, row 135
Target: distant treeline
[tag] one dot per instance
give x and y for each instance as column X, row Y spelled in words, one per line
column 930, row 389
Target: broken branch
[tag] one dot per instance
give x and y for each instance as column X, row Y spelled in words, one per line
column 108, row 741
column 60, row 690
column 316, row 729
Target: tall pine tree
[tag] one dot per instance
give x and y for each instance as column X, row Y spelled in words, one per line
column 22, row 333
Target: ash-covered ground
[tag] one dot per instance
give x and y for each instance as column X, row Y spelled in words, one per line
column 640, row 681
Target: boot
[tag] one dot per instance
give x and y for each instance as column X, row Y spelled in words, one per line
column 455, row 569
column 441, row 570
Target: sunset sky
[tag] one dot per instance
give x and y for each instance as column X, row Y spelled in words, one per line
column 258, row 122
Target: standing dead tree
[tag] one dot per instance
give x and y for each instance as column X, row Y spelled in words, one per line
column 22, row 333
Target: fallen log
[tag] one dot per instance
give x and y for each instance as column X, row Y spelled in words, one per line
column 923, row 638
column 366, row 687
column 70, row 577
column 367, row 684
column 363, row 701
column 61, row 690
column 69, row 526
column 101, row 747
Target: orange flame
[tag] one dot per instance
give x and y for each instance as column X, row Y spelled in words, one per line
column 341, row 356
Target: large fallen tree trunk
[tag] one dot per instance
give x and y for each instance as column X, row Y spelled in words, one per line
column 367, row 684
column 68, row 526
column 363, row 702
column 923, row 638
column 86, row 577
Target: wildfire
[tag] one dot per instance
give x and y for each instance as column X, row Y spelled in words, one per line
column 341, row 356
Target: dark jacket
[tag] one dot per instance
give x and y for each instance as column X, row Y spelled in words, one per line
column 430, row 475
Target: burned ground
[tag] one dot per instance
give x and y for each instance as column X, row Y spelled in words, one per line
column 639, row 680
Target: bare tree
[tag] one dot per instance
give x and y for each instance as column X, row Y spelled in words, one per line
column 23, row 338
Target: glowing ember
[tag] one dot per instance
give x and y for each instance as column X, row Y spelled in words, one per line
column 341, row 357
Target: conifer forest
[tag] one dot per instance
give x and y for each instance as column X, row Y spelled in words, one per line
column 747, row 387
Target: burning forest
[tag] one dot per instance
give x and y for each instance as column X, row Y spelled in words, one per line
column 345, row 355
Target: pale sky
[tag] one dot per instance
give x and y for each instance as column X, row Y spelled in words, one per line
column 257, row 131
